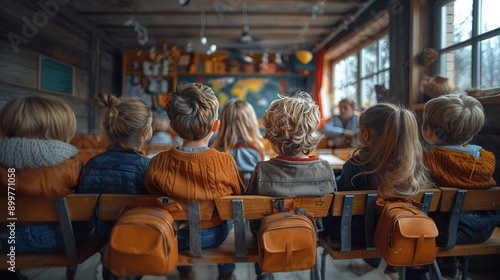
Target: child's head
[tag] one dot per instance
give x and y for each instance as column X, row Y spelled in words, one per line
column 393, row 153
column 238, row 120
column 192, row 109
column 126, row 121
column 291, row 124
column 452, row 119
column 159, row 124
column 38, row 117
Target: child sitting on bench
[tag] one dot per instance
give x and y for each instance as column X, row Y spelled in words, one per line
column 193, row 171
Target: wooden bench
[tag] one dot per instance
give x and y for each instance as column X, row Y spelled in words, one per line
column 254, row 207
column 347, row 204
column 64, row 210
column 456, row 201
column 238, row 247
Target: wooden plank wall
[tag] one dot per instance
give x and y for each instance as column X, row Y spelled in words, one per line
column 62, row 35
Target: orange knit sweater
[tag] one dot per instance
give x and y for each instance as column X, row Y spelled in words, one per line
column 185, row 176
column 455, row 169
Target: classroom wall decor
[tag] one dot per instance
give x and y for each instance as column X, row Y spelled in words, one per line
column 258, row 90
column 55, row 76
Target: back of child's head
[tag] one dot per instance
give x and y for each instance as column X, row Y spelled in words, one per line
column 393, row 155
column 455, row 119
column 38, row 117
column 159, row 124
column 126, row 120
column 291, row 124
column 192, row 109
column 238, row 123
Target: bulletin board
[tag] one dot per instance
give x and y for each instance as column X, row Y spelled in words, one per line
column 55, row 76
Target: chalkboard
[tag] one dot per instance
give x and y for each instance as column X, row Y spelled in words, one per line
column 55, row 76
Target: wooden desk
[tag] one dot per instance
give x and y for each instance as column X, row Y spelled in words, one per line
column 325, row 154
column 335, row 162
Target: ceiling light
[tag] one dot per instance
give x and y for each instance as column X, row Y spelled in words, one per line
column 245, row 36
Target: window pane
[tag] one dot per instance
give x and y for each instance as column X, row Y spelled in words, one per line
column 458, row 67
column 384, row 79
column 369, row 60
column 351, row 68
column 488, row 19
column 339, row 94
column 456, row 22
column 490, row 62
column 339, row 74
column 384, row 53
column 343, row 92
column 368, row 95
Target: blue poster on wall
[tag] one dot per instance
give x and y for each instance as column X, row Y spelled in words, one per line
column 55, row 76
column 258, row 90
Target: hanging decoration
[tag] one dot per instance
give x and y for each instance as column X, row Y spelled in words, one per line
column 304, row 56
column 142, row 32
column 202, row 46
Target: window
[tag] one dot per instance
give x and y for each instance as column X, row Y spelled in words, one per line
column 356, row 75
column 469, row 43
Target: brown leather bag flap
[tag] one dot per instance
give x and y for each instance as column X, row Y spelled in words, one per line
column 416, row 227
column 301, row 239
column 122, row 234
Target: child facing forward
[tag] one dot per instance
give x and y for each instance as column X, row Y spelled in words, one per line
column 291, row 124
column 122, row 167
column 35, row 148
column 239, row 135
column 194, row 171
column 389, row 160
column 449, row 123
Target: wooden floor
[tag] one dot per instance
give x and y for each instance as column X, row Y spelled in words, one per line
column 335, row 269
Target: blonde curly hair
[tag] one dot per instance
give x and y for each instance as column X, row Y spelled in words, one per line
column 291, row 124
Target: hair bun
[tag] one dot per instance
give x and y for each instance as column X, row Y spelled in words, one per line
column 107, row 100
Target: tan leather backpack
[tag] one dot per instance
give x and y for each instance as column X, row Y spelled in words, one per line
column 405, row 236
column 143, row 242
column 287, row 242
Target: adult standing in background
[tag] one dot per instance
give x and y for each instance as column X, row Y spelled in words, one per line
column 343, row 129
column 141, row 91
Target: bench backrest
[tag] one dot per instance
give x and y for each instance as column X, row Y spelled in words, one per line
column 348, row 203
column 241, row 207
column 111, row 206
column 260, row 206
column 456, row 201
column 32, row 210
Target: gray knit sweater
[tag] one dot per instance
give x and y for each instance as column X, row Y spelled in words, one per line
column 25, row 153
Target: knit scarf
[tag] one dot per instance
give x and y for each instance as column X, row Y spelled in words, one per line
column 24, row 153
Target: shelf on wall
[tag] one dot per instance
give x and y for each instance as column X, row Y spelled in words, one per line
column 491, row 99
column 242, row 74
